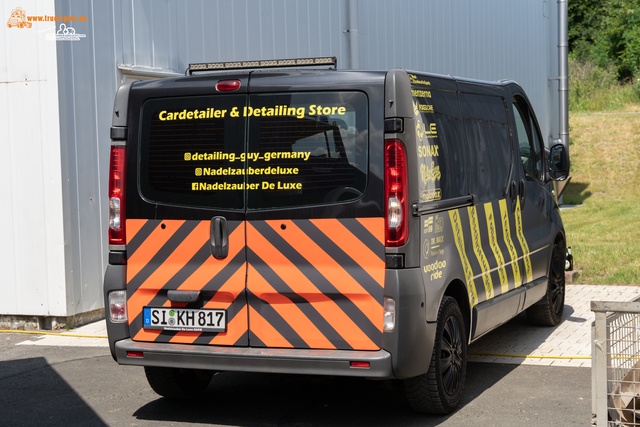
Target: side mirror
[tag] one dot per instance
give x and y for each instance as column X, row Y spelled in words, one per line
column 558, row 163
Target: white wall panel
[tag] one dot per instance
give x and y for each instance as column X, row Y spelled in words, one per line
column 31, row 253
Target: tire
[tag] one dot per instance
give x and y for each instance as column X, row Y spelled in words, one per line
column 548, row 311
column 178, row 383
column 439, row 390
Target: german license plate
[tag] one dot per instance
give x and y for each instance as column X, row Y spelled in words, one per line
column 185, row 319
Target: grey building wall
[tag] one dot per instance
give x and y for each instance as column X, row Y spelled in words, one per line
column 492, row 39
column 87, row 83
column 487, row 40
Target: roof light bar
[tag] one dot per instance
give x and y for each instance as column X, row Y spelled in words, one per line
column 271, row 63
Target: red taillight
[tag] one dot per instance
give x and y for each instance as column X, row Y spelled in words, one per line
column 228, row 85
column 135, row 354
column 117, row 234
column 395, row 186
column 360, row 364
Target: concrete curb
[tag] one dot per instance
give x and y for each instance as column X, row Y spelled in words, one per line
column 570, row 277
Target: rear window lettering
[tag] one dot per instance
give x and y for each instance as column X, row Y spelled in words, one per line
column 192, row 151
column 300, row 149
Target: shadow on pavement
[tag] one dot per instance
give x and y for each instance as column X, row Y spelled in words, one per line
column 246, row 399
column 32, row 393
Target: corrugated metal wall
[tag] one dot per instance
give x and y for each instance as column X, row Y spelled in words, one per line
column 169, row 35
column 488, row 40
column 492, row 39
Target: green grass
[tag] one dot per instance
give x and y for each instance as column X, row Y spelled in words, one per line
column 595, row 89
column 604, row 232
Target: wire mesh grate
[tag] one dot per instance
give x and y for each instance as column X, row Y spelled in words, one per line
column 621, row 364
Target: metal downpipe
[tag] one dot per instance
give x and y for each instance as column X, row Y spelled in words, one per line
column 563, row 70
column 563, row 88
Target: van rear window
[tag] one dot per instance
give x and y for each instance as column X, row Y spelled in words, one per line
column 318, row 155
column 254, row 152
column 191, row 150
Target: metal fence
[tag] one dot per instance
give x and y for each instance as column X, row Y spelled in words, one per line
column 615, row 363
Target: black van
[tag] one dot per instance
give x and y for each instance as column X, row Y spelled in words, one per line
column 329, row 222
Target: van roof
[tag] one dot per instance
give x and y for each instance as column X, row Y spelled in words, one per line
column 263, row 80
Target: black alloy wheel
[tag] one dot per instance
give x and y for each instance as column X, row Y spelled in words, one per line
column 451, row 356
column 439, row 391
column 548, row 311
column 556, row 284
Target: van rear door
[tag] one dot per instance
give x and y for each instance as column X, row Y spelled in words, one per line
column 316, row 269
column 258, row 209
column 186, row 265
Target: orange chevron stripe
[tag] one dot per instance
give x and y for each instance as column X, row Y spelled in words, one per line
column 375, row 227
column 223, row 298
column 353, row 246
column 230, row 290
column 185, row 337
column 289, row 311
column 235, row 329
column 135, row 306
column 147, row 335
column 301, row 285
column 168, row 303
column 133, row 226
column 150, row 247
column 331, row 270
column 213, row 266
column 265, row 332
column 178, row 259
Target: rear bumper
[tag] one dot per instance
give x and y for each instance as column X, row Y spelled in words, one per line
column 406, row 351
column 286, row 361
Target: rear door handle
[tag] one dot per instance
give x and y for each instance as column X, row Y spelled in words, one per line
column 219, row 238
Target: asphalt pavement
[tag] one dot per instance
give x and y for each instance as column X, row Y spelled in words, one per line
column 83, row 386
column 67, row 380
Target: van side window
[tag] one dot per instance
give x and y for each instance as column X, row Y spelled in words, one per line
column 489, row 146
column 528, row 139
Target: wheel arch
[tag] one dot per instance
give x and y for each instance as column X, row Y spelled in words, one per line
column 562, row 242
column 458, row 291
